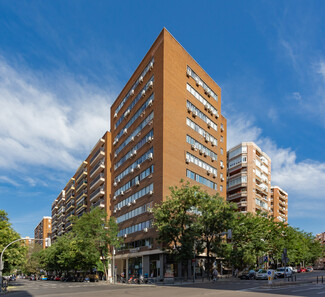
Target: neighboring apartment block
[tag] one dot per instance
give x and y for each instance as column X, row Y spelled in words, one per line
column 249, row 178
column 166, row 125
column 43, row 231
column 279, row 204
column 89, row 187
column 320, row 263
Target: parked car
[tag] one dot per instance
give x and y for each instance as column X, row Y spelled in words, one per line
column 57, row 278
column 247, row 274
column 32, row 278
column 261, row 274
column 294, row 270
column 284, row 272
column 302, row 269
column 43, row 277
column 309, row 269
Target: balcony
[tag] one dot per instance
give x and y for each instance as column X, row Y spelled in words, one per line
column 70, row 206
column 98, row 167
column 81, row 206
column 237, row 195
column 71, row 195
column 97, row 193
column 99, row 203
column 242, row 204
column 97, row 181
column 69, row 190
column 68, row 226
column 98, row 154
column 81, row 185
column 81, row 195
column 81, row 175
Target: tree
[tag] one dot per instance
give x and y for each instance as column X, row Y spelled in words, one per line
column 15, row 254
column 95, row 236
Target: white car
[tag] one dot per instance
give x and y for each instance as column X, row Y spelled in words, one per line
column 284, row 272
column 263, row 274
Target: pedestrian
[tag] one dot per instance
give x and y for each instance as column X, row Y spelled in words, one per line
column 215, row 274
column 236, row 272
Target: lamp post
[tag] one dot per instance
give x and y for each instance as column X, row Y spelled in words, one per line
column 1, row 262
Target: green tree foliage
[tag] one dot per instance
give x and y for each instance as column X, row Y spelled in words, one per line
column 15, row 254
column 191, row 221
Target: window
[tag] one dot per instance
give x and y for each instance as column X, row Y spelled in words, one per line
column 134, row 196
column 201, row 115
column 202, row 83
column 221, row 188
column 133, row 213
column 134, row 164
column 240, row 150
column 201, row 147
column 144, row 123
column 237, row 181
column 201, row 131
column 201, row 163
column 221, row 151
column 135, row 228
column 144, row 72
column 201, row 179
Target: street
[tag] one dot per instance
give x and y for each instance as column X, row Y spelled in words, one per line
column 224, row 287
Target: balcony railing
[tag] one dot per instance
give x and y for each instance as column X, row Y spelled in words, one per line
column 99, row 192
column 81, row 185
column 99, row 203
column 81, row 206
column 237, row 195
column 83, row 193
column 99, row 152
column 82, row 173
column 98, row 179
column 99, row 165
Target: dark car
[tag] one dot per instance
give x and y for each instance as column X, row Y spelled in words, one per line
column 247, row 274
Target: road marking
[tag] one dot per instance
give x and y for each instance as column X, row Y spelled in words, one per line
column 321, row 292
column 307, row 289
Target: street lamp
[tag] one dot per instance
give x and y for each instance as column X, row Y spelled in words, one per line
column 1, row 262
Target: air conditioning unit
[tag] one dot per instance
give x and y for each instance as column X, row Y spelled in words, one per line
column 143, row 93
column 188, row 72
column 201, row 152
column 125, row 131
column 131, row 155
column 193, row 147
column 189, row 109
column 127, row 113
column 222, row 179
column 150, row 85
column 209, row 93
column 132, row 92
column 134, row 201
column 125, row 235
column 122, row 193
column 134, row 152
column 209, row 125
column 150, row 103
column 197, row 82
column 115, row 115
column 150, row 66
column 206, row 106
column 150, row 193
column 140, row 79
column 221, row 129
column 114, row 197
column 119, row 180
column 129, row 204
column 211, row 110
column 209, row 172
column 132, row 170
column 137, row 183
column 206, row 139
column 215, row 142
column 214, row 176
column 217, row 115
column 194, row 114
column 149, row 139
column 138, row 166
column 187, row 160
column 116, row 140
column 132, row 138
column 114, row 211
column 115, row 184
column 222, row 166
column 206, row 90
column 115, row 155
column 145, row 230
column 213, row 159
column 150, row 157
column 204, row 154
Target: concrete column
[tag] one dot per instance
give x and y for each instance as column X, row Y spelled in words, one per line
column 145, row 265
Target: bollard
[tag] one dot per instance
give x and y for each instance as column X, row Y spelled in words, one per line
column 322, row 279
column 317, row 280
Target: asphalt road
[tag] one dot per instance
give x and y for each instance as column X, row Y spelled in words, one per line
column 226, row 288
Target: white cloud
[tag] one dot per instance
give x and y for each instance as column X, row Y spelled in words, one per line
column 321, row 68
column 8, row 180
column 302, row 180
column 48, row 126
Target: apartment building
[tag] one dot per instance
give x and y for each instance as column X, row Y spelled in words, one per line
column 320, row 263
column 249, row 178
column 166, row 125
column 279, row 204
column 89, row 187
column 43, row 231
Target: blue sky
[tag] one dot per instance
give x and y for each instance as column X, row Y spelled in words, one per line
column 62, row 63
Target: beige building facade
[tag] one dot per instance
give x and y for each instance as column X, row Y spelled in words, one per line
column 279, row 204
